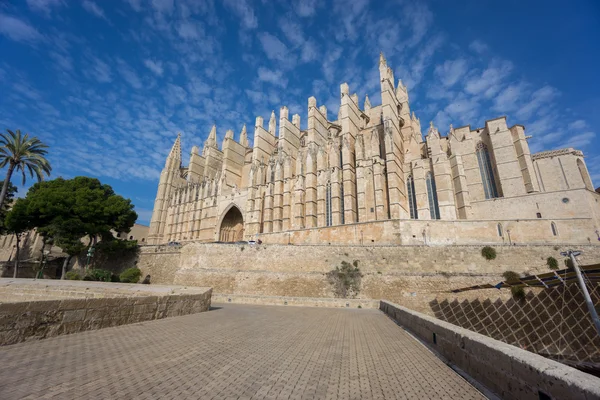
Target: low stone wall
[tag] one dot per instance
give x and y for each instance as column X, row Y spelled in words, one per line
column 294, row 301
column 506, row 370
column 81, row 306
column 552, row 322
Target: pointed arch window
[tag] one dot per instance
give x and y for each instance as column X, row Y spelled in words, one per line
column 328, row 204
column 554, row 229
column 412, row 197
column 500, row 232
column 434, row 209
column 487, row 173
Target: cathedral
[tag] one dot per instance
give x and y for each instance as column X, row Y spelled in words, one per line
column 369, row 177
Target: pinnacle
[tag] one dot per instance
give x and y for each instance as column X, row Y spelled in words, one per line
column 176, row 149
column 382, row 58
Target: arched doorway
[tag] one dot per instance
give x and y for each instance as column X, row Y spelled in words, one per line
column 232, row 226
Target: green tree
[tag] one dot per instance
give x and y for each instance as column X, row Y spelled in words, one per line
column 17, row 222
column 68, row 210
column 10, row 194
column 22, row 153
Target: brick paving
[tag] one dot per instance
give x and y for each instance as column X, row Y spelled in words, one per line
column 234, row 352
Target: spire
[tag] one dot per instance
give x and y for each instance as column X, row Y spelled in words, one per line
column 244, row 137
column 174, row 157
column 382, row 59
column 433, row 130
column 367, row 105
column 272, row 124
column 211, row 141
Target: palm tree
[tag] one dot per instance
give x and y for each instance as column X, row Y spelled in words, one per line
column 22, row 153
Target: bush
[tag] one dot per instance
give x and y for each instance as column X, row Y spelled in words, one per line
column 130, row 275
column 345, row 279
column 568, row 263
column 100, row 275
column 518, row 293
column 552, row 263
column 489, row 253
column 72, row 276
column 510, row 276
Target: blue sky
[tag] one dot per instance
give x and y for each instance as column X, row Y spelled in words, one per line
column 108, row 84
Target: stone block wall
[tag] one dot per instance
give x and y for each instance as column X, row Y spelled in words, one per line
column 509, row 372
column 69, row 311
column 409, row 275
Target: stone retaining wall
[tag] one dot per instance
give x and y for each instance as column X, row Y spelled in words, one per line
column 72, row 310
column 409, row 275
column 506, row 370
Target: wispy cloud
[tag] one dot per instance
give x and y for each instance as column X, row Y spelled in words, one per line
column 244, row 11
column 44, row 7
column 93, row 8
column 154, row 66
column 18, row 30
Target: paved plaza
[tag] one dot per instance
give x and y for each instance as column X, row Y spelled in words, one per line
column 235, row 352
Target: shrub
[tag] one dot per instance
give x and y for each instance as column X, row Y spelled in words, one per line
column 131, row 275
column 489, row 253
column 72, row 276
column 510, row 276
column 552, row 263
column 345, row 279
column 518, row 293
column 568, row 263
column 100, row 275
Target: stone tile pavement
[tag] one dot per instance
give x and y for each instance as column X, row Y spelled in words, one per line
column 234, row 352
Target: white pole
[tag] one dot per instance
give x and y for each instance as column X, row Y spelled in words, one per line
column 586, row 295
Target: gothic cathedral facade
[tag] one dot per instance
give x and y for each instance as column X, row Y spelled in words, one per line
column 369, row 177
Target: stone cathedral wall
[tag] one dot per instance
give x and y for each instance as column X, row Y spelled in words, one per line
column 409, row 275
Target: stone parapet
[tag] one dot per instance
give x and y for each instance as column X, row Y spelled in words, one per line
column 294, row 301
column 506, row 370
column 81, row 306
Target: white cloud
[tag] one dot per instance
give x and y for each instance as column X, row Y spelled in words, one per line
column 93, row 8
column 273, row 47
column 309, row 52
column 190, row 30
column 244, row 12
column 580, row 141
column 352, row 13
column 64, row 62
column 510, row 98
column 18, row 30
column 576, row 125
column 154, row 66
column 540, row 98
column 478, row 46
column 135, row 4
column 43, row 6
column 274, row 77
column 451, row 71
column 488, row 83
column 163, row 6
column 100, row 70
column 305, row 8
column 129, row 75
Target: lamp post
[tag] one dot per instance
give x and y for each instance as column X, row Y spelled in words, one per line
column 90, row 254
column 598, row 234
column 44, row 259
column 588, row 301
